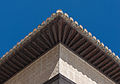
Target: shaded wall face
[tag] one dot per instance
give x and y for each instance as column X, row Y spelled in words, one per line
column 63, row 61
column 39, row 71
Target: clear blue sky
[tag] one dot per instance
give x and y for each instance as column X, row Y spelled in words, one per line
column 19, row 17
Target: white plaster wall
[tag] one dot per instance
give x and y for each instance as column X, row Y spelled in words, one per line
column 79, row 71
column 59, row 60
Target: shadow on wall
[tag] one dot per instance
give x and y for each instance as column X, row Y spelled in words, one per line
column 39, row 71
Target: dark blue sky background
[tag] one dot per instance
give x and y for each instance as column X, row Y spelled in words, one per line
column 19, row 17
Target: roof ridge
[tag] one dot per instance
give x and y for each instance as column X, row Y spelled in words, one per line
column 74, row 24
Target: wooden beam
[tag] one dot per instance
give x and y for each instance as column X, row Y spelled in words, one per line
column 78, row 44
column 25, row 56
column 71, row 35
column 91, row 60
column 26, row 51
column 83, row 47
column 103, row 63
column 75, row 39
column 92, row 53
column 87, row 50
column 106, row 66
column 66, row 33
column 111, row 68
column 114, row 71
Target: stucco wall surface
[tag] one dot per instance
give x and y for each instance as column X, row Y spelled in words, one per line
column 59, row 60
column 79, row 71
column 39, row 71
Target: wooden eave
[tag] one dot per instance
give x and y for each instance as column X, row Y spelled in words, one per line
column 64, row 31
